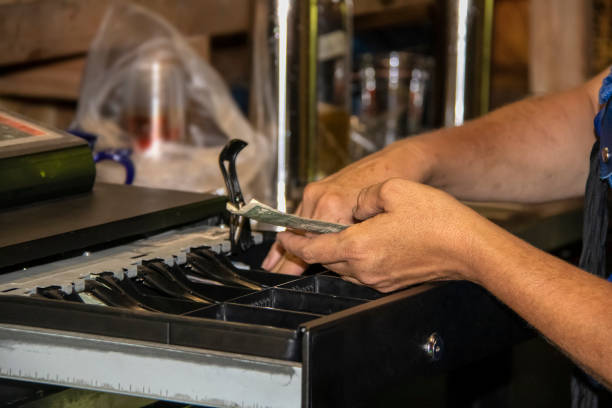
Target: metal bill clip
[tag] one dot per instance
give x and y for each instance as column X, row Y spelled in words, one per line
column 240, row 227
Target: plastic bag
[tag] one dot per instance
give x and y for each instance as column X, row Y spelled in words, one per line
column 131, row 41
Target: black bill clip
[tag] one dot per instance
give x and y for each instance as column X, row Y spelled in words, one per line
column 240, row 227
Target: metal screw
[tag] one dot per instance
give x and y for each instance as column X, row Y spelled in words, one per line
column 605, row 154
column 434, row 347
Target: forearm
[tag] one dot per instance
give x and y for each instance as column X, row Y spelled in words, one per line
column 533, row 150
column 410, row 233
column 567, row 305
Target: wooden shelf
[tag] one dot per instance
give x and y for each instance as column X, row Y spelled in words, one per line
column 45, row 29
column 61, row 80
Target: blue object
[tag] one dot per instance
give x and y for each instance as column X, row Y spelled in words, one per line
column 606, row 89
column 121, row 156
column 603, row 128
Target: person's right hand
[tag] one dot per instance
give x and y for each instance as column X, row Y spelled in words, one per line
column 333, row 198
column 326, row 200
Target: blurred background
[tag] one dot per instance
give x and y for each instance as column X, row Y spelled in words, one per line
column 172, row 93
column 170, row 81
column 390, row 75
column 537, row 46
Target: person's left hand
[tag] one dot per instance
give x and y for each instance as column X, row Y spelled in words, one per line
column 412, row 233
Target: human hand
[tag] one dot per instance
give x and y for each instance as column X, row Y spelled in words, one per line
column 411, row 233
column 333, row 198
column 322, row 200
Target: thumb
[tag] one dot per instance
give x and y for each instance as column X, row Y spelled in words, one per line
column 369, row 202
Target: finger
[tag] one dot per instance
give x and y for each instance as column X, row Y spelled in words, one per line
column 325, row 204
column 273, row 257
column 369, row 203
column 332, row 208
column 320, row 249
column 276, row 252
column 300, row 210
column 290, row 265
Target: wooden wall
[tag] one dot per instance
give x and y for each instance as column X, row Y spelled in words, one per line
column 539, row 45
column 559, row 44
column 510, row 54
column 44, row 42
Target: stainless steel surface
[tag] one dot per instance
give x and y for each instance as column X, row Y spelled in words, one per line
column 454, row 113
column 180, row 374
column 468, row 54
column 395, row 92
column 283, row 69
column 282, row 22
column 292, row 39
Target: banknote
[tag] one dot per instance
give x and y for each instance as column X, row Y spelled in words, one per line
column 264, row 213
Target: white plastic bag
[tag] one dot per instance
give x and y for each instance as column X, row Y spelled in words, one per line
column 131, row 37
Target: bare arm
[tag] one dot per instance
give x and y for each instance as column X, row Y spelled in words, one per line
column 413, row 233
column 410, row 233
column 533, row 150
column 530, row 151
column 567, row 305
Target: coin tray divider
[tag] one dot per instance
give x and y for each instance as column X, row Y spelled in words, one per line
column 232, row 312
column 292, row 300
column 329, row 285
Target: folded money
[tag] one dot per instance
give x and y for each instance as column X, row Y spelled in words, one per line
column 264, row 213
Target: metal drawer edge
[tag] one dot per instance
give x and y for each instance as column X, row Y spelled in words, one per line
column 139, row 368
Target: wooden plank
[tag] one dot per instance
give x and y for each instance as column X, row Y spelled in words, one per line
column 511, row 35
column 558, row 43
column 58, row 80
column 51, row 113
column 510, row 52
column 44, row 29
column 61, row 80
column 34, row 30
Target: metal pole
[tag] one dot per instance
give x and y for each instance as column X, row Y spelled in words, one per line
column 458, row 25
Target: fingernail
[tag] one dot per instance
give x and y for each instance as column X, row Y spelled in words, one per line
column 266, row 262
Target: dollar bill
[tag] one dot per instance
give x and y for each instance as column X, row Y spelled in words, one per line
column 264, row 213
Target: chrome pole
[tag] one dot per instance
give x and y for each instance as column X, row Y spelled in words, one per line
column 468, row 59
column 283, row 8
column 456, row 64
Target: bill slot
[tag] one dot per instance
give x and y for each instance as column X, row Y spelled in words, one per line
column 298, row 301
column 141, row 294
column 221, row 293
column 254, row 315
column 171, row 306
column 268, row 278
column 327, row 285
